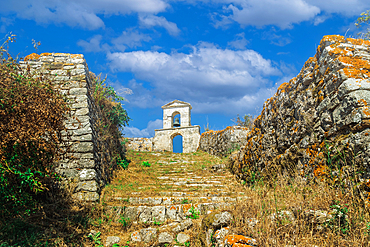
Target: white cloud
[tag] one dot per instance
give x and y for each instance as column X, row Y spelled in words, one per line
column 344, row 7
column 130, row 38
column 147, row 132
column 82, row 13
column 93, row 45
column 152, row 21
column 239, row 43
column 207, row 75
column 276, row 39
column 5, row 22
column 283, row 13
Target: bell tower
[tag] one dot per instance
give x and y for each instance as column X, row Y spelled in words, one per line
column 191, row 134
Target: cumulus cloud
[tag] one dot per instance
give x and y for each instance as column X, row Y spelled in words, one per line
column 284, row 13
column 344, row 7
column 147, row 132
column 206, row 76
column 152, row 21
column 82, row 13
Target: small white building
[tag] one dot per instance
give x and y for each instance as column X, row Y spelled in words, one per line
column 163, row 139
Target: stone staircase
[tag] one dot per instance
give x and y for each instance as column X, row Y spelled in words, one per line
column 170, row 197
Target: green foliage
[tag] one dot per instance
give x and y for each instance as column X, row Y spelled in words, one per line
column 339, row 221
column 364, row 19
column 113, row 110
column 185, row 201
column 32, row 114
column 158, row 223
column 114, row 118
column 122, row 162
column 124, row 221
column 194, row 213
column 96, row 239
column 146, row 164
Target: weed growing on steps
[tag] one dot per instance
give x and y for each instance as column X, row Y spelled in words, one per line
column 194, row 213
column 339, row 220
column 185, row 201
column 124, row 221
column 96, row 239
column 146, row 164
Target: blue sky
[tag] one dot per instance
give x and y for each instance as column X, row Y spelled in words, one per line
column 225, row 57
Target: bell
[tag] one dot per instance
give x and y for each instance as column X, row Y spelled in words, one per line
column 176, row 123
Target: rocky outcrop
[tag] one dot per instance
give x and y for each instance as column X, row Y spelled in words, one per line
column 318, row 120
column 223, row 142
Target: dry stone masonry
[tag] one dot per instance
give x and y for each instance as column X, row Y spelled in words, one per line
column 325, row 106
column 140, row 144
column 223, row 142
column 69, row 73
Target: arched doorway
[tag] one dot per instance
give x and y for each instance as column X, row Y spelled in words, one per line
column 177, row 143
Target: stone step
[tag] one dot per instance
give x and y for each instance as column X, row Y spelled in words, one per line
column 210, row 193
column 163, row 213
column 177, row 177
column 175, row 200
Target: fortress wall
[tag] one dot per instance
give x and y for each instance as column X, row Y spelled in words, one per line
column 70, row 74
column 223, row 142
column 140, row 144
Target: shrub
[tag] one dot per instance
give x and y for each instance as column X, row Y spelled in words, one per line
column 31, row 126
column 114, row 118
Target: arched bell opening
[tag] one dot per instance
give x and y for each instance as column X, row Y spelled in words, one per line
column 176, row 120
column 177, row 143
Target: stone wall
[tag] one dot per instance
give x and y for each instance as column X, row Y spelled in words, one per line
column 140, row 144
column 223, row 142
column 322, row 110
column 69, row 73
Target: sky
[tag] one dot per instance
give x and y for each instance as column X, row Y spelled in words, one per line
column 224, row 57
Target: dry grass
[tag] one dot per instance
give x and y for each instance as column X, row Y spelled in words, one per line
column 299, row 198
column 69, row 225
column 264, row 201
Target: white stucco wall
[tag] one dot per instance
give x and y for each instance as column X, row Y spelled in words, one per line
column 190, row 138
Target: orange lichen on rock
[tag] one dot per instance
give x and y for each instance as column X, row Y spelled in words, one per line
column 357, row 67
column 321, row 170
column 335, row 38
column 61, row 54
column 46, row 54
column 77, row 56
column 283, row 88
column 358, row 41
column 32, row 56
column 238, row 239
